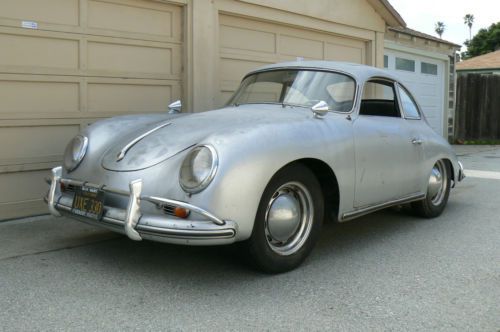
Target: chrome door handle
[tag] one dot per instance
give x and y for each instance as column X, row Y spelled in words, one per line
column 416, row 141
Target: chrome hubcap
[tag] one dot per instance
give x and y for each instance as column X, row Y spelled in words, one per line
column 437, row 183
column 288, row 218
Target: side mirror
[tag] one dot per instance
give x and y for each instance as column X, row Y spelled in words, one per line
column 320, row 109
column 175, row 107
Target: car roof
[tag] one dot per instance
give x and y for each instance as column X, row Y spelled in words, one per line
column 360, row 72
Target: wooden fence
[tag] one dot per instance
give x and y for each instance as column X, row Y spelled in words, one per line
column 477, row 115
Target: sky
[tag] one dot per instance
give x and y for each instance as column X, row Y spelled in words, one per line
column 422, row 15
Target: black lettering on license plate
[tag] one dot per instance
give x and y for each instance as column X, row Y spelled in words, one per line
column 88, row 202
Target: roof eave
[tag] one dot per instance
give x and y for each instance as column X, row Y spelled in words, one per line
column 442, row 41
column 388, row 13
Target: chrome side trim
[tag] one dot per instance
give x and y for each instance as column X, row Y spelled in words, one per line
column 223, row 233
column 54, row 190
column 188, row 206
column 133, row 210
column 113, row 220
column 361, row 212
column 127, row 147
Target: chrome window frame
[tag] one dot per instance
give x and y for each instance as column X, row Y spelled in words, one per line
column 419, row 110
column 396, row 96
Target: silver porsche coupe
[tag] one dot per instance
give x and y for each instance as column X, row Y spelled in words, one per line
column 296, row 144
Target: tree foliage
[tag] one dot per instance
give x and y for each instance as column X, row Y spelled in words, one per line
column 439, row 28
column 469, row 20
column 485, row 41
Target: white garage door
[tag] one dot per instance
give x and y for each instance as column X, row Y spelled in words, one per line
column 247, row 44
column 425, row 78
column 67, row 63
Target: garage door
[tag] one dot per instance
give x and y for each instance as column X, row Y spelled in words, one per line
column 246, row 44
column 66, row 63
column 425, row 78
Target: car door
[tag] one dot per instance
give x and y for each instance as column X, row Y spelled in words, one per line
column 387, row 159
column 418, row 130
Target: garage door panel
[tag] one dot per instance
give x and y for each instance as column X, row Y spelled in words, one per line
column 233, row 70
column 87, row 60
column 246, row 44
column 429, row 103
column 247, row 39
column 129, row 97
column 30, row 51
column 223, row 97
column 24, row 186
column 428, row 90
column 302, row 47
column 67, row 12
column 43, row 96
column 337, row 52
column 286, row 58
column 134, row 17
column 129, row 58
column 32, row 142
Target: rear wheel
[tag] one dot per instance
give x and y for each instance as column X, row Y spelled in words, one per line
column 288, row 220
column 438, row 191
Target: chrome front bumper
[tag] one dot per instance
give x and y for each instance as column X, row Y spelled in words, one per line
column 209, row 230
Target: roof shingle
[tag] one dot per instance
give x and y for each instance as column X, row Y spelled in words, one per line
column 486, row 61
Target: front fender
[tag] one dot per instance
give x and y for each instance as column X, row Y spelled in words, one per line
column 247, row 164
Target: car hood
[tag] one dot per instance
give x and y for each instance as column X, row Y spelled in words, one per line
column 153, row 143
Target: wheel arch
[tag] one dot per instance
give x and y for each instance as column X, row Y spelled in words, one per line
column 452, row 169
column 328, row 181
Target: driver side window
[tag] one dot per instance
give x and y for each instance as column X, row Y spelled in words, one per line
column 379, row 99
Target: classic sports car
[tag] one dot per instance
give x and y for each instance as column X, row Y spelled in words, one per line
column 298, row 142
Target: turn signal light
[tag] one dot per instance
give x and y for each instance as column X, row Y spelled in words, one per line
column 180, row 212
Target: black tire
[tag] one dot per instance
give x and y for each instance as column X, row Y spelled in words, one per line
column 431, row 207
column 263, row 250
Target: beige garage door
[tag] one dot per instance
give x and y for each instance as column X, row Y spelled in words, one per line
column 246, row 44
column 66, row 63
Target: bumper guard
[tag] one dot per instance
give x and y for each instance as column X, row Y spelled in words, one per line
column 131, row 222
column 461, row 173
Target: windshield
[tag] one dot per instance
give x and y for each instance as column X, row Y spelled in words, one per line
column 298, row 88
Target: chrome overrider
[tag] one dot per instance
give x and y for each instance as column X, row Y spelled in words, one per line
column 208, row 230
column 461, row 173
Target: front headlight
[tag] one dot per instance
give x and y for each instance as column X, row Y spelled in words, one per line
column 198, row 169
column 75, row 151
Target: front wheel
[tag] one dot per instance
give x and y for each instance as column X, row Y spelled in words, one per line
column 288, row 220
column 438, row 191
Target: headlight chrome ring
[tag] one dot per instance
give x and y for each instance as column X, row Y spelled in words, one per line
column 198, row 169
column 75, row 152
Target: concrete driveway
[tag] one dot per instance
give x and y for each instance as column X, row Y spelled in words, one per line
column 385, row 271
